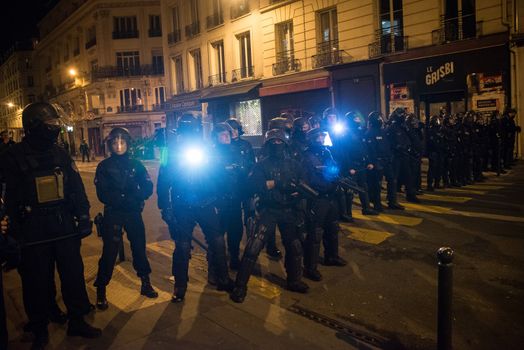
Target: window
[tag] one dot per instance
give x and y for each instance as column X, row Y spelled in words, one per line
column 94, row 65
column 459, row 19
column 130, row 100
column 66, row 52
column 179, row 74
column 160, row 97
column 391, row 26
column 155, row 28
column 216, row 18
column 174, row 36
column 76, row 46
column 128, row 63
column 250, row 115
column 285, row 53
column 158, row 63
column 218, row 66
column 125, row 27
column 239, row 8
column 90, row 37
column 197, row 68
column 246, row 62
column 30, row 81
column 193, row 28
column 327, row 47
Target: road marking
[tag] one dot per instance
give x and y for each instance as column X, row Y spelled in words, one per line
column 263, row 287
column 165, row 247
column 489, row 216
column 483, row 187
column 425, row 208
column 366, row 235
column 463, row 190
column 450, row 199
column 389, row 219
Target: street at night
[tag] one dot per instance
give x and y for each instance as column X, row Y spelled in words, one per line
column 386, row 296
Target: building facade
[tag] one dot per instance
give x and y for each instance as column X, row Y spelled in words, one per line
column 102, row 62
column 17, row 87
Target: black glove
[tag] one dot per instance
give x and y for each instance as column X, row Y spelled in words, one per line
column 84, row 226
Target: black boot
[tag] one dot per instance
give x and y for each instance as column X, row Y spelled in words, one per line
column 101, row 300
column 238, row 294
column 56, row 315
column 297, row 286
column 226, row 286
column 335, row 261
column 179, row 293
column 313, row 275
column 147, row 289
column 274, row 252
column 80, row 328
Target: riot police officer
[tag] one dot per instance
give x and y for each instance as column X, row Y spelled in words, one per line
column 399, row 139
column 298, row 137
column 321, row 173
column 187, row 194
column 273, row 180
column 122, row 184
column 416, row 135
column 380, row 155
column 436, row 142
column 49, row 212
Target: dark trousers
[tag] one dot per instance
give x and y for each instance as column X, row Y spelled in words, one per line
column 401, row 170
column 231, row 223
column 36, row 270
column 3, row 321
column 323, row 227
column 286, row 220
column 182, row 232
column 435, row 169
column 112, row 233
column 84, row 156
column 360, row 178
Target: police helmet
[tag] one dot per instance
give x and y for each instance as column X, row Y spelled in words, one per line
column 276, row 134
column 38, row 114
column 300, row 123
column 375, row 120
column 412, row 120
column 312, row 135
column 329, row 111
column 434, row 121
column 278, row 123
column 354, row 120
column 219, row 129
column 235, row 124
column 188, row 124
column 119, row 141
column 314, row 120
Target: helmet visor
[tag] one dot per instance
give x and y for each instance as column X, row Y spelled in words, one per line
column 119, row 145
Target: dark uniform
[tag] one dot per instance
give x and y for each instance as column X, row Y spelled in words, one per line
column 49, row 213
column 399, row 139
column 436, row 154
column 277, row 206
column 321, row 173
column 416, row 135
column 380, row 155
column 122, row 184
column 495, row 138
column 187, row 194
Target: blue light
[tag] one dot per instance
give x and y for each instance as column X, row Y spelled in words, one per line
column 194, row 156
column 338, row 128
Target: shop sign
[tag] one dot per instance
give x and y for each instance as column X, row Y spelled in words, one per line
column 490, row 82
column 408, row 105
column 398, row 92
column 434, row 75
column 186, row 104
column 488, row 103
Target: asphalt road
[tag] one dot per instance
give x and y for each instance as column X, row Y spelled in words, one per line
column 384, row 298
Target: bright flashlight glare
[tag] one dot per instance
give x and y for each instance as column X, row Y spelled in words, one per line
column 194, row 156
column 338, row 128
column 327, row 141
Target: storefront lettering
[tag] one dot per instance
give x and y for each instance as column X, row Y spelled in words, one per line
column 433, row 77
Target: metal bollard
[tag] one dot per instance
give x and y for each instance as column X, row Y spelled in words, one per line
column 445, row 293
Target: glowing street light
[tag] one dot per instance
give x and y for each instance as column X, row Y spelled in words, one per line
column 10, row 104
column 73, row 72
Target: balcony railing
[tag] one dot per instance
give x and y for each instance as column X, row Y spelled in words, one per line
column 457, row 28
column 91, row 43
column 214, row 20
column 192, row 29
column 173, row 37
column 155, row 32
column 126, row 35
column 242, row 73
column 161, row 106
column 285, row 62
column 116, row 72
column 240, row 9
column 328, row 54
column 130, row 109
column 217, row 79
column 388, row 43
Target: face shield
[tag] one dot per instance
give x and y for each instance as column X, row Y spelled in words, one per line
column 119, row 145
column 224, row 138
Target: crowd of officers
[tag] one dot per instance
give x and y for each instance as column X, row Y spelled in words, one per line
column 303, row 182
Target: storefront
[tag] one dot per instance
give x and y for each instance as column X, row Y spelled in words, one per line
column 180, row 104
column 459, row 81
column 356, row 86
column 303, row 94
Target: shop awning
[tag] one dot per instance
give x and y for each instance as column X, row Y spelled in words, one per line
column 228, row 90
column 297, row 86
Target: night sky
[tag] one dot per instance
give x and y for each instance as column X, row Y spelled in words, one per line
column 18, row 20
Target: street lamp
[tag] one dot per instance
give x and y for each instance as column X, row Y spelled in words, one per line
column 10, row 104
column 72, row 72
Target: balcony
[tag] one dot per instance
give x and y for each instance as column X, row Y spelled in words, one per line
column 240, row 9
column 120, row 72
column 457, row 28
column 242, row 73
column 217, row 79
column 328, row 54
column 173, row 37
column 126, row 35
column 155, row 32
column 91, row 43
column 285, row 62
column 192, row 29
column 130, row 109
column 387, row 43
column 161, row 106
column 214, row 20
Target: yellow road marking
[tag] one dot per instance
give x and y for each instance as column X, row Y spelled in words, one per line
column 483, row 187
column 389, row 219
column 425, row 208
column 464, row 190
column 451, row 199
column 490, row 216
column 263, row 287
column 367, row 235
